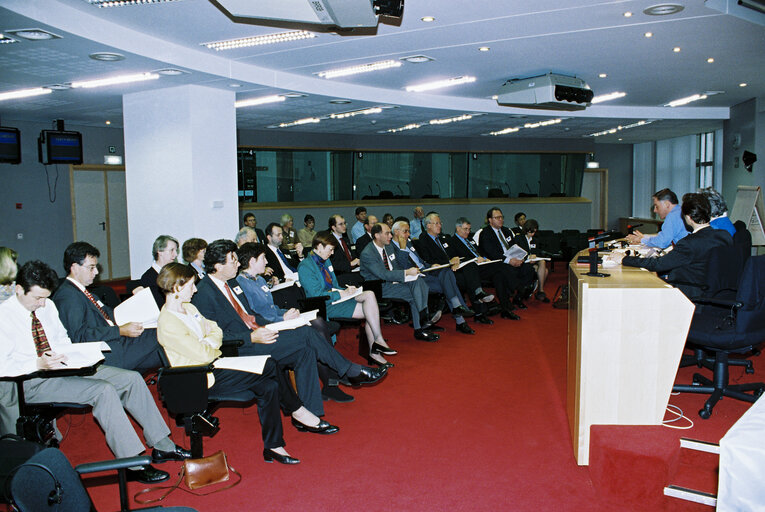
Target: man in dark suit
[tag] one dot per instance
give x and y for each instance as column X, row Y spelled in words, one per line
column 344, row 259
column 87, row 319
column 494, row 240
column 366, row 238
column 220, row 298
column 525, row 240
column 686, row 263
column 284, row 265
column 377, row 262
column 250, row 221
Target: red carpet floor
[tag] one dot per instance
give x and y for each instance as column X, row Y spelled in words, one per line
column 465, row 424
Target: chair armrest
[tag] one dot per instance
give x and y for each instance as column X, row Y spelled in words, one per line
column 230, row 347
column 319, row 302
column 179, row 370
column 724, row 303
column 375, row 286
column 113, row 464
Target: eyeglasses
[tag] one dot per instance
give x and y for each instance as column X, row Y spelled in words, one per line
column 498, row 217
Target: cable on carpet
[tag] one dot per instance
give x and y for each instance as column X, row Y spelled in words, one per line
column 678, row 412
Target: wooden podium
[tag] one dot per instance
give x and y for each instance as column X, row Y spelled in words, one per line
column 626, row 334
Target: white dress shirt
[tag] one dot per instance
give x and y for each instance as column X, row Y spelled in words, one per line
column 288, row 274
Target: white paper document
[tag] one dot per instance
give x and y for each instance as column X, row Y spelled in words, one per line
column 532, row 260
column 411, row 278
column 358, row 292
column 515, row 253
column 285, row 325
column 79, row 355
column 281, row 286
column 488, row 261
column 141, row 308
column 435, row 267
column 468, row 262
column 251, row 364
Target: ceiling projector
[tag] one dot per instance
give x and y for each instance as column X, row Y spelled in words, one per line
column 334, row 13
column 549, row 92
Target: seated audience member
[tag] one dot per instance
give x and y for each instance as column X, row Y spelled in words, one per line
column 317, row 278
column 364, row 239
column 417, row 225
column 687, row 261
column 290, row 240
column 306, row 234
column 494, row 240
column 377, row 262
column 245, row 235
column 194, row 254
column 718, row 211
column 672, row 230
column 88, row 319
column 284, row 266
column 520, row 220
column 222, row 300
column 251, row 222
column 388, row 219
column 358, row 229
column 8, row 399
column 440, row 281
column 525, row 240
column 7, row 273
column 190, row 339
column 32, row 336
column 344, row 259
column 252, row 260
column 164, row 251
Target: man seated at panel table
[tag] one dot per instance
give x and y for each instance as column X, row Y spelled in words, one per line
column 686, row 263
column 672, row 230
column 344, row 259
column 87, row 319
column 32, row 337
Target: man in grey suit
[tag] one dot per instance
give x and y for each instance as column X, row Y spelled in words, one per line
column 379, row 262
column 86, row 318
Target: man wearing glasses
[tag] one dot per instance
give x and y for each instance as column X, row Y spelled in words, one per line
column 344, row 260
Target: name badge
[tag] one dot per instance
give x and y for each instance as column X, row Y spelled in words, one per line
column 237, row 290
column 330, row 268
column 264, row 288
column 392, row 257
column 532, row 246
column 353, row 247
column 508, row 238
column 100, row 304
column 445, row 245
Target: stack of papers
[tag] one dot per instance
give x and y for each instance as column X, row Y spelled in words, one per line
column 293, row 323
column 140, row 308
column 251, row 364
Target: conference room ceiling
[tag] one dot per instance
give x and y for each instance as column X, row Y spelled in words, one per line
column 583, row 38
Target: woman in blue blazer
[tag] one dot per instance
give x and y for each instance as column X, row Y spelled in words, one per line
column 317, row 277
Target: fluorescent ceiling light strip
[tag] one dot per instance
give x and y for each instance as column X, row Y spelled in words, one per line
column 608, row 97
column 363, row 68
column 351, row 113
column 611, row 131
column 24, row 93
column 686, row 100
column 505, row 131
column 448, row 120
column 280, row 37
column 115, row 80
column 542, row 123
column 306, row 120
column 259, row 101
column 438, row 84
column 121, row 3
column 412, row 126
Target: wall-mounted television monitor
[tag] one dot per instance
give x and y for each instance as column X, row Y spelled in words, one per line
column 58, row 147
column 10, row 145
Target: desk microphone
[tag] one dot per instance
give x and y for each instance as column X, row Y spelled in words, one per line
column 631, row 228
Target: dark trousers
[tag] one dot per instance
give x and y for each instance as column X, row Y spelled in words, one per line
column 140, row 354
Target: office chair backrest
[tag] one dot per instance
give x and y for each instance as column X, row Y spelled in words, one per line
column 723, row 272
column 751, row 292
column 742, row 240
column 48, row 481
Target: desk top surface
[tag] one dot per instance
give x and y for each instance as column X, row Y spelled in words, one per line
column 619, row 276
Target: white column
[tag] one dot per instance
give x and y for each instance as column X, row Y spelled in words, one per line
column 180, row 159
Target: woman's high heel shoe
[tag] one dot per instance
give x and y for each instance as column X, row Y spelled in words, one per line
column 269, row 456
column 374, row 362
column 379, row 349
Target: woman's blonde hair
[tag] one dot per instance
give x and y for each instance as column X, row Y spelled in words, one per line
column 8, row 268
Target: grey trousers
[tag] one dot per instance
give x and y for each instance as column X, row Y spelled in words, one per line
column 112, row 392
column 414, row 292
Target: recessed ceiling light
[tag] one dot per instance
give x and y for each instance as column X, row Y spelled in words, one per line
column 495, row 97
column 484, row 49
column 339, row 102
column 7, row 40
column 742, row 84
column 648, row 34
column 259, row 101
column 627, row 14
column 294, row 95
column 607, row 97
column 438, row 84
column 120, row 79
column 107, row 122
column 172, row 72
column 710, row 60
column 243, row 42
column 362, row 68
column 417, row 59
column 235, row 85
column 428, row 19
column 676, row 49
column 602, row 75
column 107, row 56
column 663, row 9
column 33, row 34
column 24, row 93
column 619, row 138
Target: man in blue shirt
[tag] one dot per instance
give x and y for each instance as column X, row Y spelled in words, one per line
column 417, row 226
column 672, row 231
column 358, row 229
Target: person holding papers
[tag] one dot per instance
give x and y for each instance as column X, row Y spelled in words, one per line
column 318, row 278
column 525, row 240
column 33, row 338
column 190, row 339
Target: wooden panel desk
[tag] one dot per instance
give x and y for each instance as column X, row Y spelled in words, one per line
column 626, row 334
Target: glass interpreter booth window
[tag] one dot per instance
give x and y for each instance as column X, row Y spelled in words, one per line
column 279, row 175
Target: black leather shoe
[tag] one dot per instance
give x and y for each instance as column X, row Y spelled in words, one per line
column 368, row 375
column 379, row 349
column 179, row 453
column 518, row 303
column 494, row 310
column 324, row 427
column 372, row 362
column 434, row 328
column 464, row 328
column 484, row 297
column 510, row 315
column 463, row 312
column 542, row 296
column 423, row 335
column 335, row 394
column 148, row 474
column 483, row 319
column 270, row 456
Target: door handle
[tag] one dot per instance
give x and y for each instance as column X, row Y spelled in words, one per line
column 103, row 226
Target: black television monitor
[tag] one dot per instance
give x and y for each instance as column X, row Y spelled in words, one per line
column 10, row 145
column 58, row 147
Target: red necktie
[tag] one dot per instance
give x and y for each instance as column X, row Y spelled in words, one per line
column 385, row 260
column 345, row 249
column 248, row 319
column 38, row 334
column 95, row 303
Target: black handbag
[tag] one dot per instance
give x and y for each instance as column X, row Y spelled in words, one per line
column 14, row 451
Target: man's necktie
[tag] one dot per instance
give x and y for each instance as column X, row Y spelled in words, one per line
column 385, row 260
column 100, row 309
column 438, row 241
column 345, row 249
column 284, row 260
column 41, row 341
column 502, row 239
column 469, row 246
column 417, row 261
column 248, row 319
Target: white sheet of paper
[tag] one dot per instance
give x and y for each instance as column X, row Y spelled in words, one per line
column 251, row 364
column 411, row 278
column 435, row 267
column 141, row 308
column 281, row 286
column 515, row 253
column 285, row 325
column 468, row 262
column 358, row 292
column 488, row 261
column 532, row 260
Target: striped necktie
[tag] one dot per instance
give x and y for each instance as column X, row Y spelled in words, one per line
column 38, row 334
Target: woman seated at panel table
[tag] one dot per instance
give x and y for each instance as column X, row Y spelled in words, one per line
column 190, row 339
column 318, row 278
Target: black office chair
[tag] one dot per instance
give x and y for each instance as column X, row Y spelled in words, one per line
column 742, row 240
column 727, row 327
column 48, row 481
